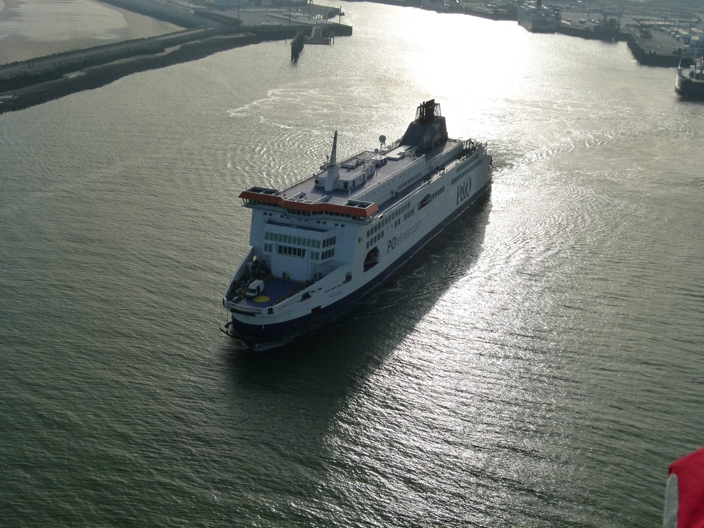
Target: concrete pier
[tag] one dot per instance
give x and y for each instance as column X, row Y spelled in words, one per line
column 28, row 83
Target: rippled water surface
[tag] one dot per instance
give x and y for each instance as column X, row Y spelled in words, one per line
column 539, row 366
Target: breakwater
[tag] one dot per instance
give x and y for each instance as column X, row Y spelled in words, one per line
column 23, row 86
column 589, row 33
column 185, row 20
column 53, row 67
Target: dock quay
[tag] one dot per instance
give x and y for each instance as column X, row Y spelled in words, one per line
column 652, row 53
column 653, row 41
column 595, row 20
column 320, row 36
column 28, row 83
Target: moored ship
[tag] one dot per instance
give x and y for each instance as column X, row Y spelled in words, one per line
column 690, row 80
column 537, row 18
column 327, row 241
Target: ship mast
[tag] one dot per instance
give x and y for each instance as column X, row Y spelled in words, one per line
column 333, row 173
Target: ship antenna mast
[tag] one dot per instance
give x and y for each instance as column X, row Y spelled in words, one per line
column 333, row 174
column 333, row 154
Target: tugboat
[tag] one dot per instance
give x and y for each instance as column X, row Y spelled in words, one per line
column 329, row 240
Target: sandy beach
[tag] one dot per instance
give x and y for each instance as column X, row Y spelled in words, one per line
column 38, row 28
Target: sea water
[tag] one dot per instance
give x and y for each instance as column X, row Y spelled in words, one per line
column 538, row 366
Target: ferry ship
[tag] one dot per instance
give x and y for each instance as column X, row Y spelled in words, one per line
column 327, row 241
column 692, row 51
column 689, row 82
column 537, row 18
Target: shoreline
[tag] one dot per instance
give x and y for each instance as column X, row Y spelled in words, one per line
column 21, row 40
column 88, row 69
column 98, row 76
column 23, row 85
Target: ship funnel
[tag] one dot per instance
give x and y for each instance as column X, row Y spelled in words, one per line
column 333, row 173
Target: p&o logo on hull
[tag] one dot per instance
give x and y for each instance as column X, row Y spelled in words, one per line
column 463, row 191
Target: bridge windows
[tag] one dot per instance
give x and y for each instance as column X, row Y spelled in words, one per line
column 290, row 239
column 290, row 250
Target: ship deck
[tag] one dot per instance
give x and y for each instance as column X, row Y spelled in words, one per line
column 307, row 192
column 275, row 290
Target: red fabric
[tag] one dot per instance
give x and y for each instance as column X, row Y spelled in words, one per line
column 690, row 484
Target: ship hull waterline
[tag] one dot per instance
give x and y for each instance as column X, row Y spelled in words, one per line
column 689, row 89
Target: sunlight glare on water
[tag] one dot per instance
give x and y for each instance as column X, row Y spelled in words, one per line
column 537, row 365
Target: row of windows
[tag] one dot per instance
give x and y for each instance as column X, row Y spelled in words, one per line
column 290, row 250
column 299, row 252
column 373, row 240
column 402, row 209
column 317, row 221
column 302, row 213
column 249, row 201
column 409, row 213
column 467, row 160
column 438, row 192
column 388, row 219
column 315, row 213
column 299, row 241
column 427, row 199
column 461, row 174
column 409, row 181
column 314, row 255
column 290, row 239
column 339, row 214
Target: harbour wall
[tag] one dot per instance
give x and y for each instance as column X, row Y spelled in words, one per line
column 590, row 34
column 182, row 19
column 23, row 86
column 642, row 52
column 650, row 57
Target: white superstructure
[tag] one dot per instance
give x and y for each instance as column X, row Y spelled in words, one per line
column 325, row 242
column 690, row 80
